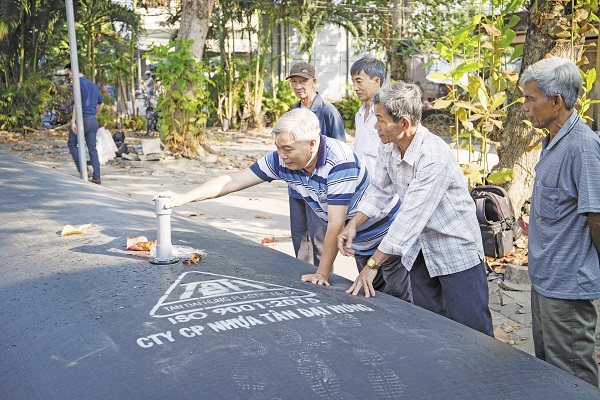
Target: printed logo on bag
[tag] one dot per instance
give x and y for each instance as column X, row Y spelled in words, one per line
column 196, row 291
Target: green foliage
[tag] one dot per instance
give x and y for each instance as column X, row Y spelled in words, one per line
column 183, row 95
column 584, row 21
column 584, row 103
column 432, row 19
column 479, row 105
column 280, row 104
column 22, row 105
column 104, row 25
column 228, row 86
column 348, row 106
column 108, row 117
column 135, row 123
column 60, row 103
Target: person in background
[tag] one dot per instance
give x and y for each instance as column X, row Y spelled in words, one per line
column 149, row 92
column 91, row 102
column 308, row 231
column 436, row 232
column 368, row 75
column 337, row 182
column 564, row 221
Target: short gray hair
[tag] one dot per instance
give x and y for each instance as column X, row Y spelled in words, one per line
column 401, row 99
column 555, row 75
column 372, row 67
column 301, row 124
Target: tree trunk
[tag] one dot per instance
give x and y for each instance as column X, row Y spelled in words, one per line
column 22, row 48
column 516, row 137
column 195, row 19
column 400, row 16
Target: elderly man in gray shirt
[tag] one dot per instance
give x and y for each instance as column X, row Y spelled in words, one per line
column 564, row 225
column 436, row 232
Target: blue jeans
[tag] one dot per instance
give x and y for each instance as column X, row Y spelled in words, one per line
column 90, row 126
column 462, row 296
column 308, row 231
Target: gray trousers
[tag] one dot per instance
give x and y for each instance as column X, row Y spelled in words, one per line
column 564, row 333
column 308, row 231
column 392, row 278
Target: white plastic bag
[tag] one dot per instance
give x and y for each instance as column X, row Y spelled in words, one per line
column 105, row 145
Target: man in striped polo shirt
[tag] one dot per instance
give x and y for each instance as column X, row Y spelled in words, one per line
column 331, row 180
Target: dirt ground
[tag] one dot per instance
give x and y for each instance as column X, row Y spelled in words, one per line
column 259, row 214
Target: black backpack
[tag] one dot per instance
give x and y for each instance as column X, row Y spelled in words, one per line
column 499, row 227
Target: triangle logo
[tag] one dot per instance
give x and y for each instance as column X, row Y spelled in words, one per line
column 196, row 291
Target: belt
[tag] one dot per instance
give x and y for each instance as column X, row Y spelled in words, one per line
column 89, row 116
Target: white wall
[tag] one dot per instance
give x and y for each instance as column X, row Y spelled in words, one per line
column 332, row 57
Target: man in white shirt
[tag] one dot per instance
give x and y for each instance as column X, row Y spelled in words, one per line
column 368, row 75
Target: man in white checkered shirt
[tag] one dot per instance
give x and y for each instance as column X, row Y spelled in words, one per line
column 436, row 232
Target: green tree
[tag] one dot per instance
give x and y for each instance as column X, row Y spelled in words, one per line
column 558, row 29
column 103, row 21
column 183, row 96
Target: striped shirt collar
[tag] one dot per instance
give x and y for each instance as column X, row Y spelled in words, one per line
column 322, row 152
column 321, row 155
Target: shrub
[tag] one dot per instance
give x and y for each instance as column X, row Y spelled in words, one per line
column 183, row 95
column 283, row 101
column 23, row 105
column 348, row 107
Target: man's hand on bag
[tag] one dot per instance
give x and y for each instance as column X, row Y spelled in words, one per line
column 364, row 281
column 316, row 278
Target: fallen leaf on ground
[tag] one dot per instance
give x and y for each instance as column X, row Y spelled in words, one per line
column 138, row 243
column 194, row 259
column 270, row 239
column 71, row 230
column 500, row 334
column 509, row 327
column 141, row 246
column 195, row 214
column 262, row 217
column 522, row 242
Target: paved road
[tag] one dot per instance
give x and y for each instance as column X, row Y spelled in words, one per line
column 262, row 211
column 83, row 318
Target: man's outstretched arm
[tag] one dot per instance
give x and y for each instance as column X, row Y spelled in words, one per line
column 216, row 187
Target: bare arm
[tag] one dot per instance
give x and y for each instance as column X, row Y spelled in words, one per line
column 216, row 187
column 336, row 216
column 99, row 108
column 594, row 224
column 348, row 234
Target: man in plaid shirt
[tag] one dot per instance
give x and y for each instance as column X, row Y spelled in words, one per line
column 436, row 233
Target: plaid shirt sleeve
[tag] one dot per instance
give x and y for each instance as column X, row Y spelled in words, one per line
column 380, row 192
column 419, row 203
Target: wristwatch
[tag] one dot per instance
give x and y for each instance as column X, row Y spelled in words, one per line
column 371, row 263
